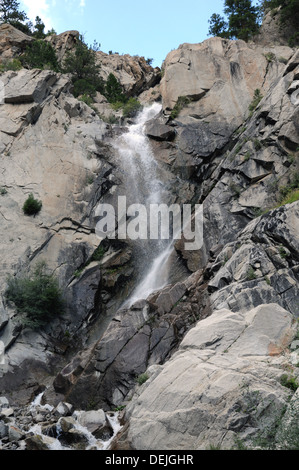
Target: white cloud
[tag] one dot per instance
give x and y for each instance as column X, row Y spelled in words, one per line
column 39, row 8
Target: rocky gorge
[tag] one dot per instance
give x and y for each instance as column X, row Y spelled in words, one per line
column 208, row 359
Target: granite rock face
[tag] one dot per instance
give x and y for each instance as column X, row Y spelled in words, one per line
column 221, row 385
column 212, row 345
column 12, row 41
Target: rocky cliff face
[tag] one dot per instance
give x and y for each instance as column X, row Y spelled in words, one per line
column 215, row 343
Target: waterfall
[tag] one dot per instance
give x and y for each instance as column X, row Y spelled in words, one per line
column 143, row 186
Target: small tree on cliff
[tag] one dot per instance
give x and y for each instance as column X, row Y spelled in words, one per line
column 81, row 64
column 39, row 29
column 242, row 20
column 113, row 90
column 10, row 13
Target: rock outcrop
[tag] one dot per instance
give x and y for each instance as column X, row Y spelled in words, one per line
column 134, row 73
column 12, row 42
column 221, row 388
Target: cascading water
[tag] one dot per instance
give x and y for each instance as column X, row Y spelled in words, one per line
column 144, row 186
column 55, row 443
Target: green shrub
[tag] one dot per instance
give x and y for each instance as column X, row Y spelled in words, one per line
column 117, row 105
column 131, row 108
column 293, row 196
column 181, row 103
column 113, row 90
column 270, row 56
column 289, row 382
column 32, row 206
column 3, row 191
column 84, row 88
column 40, row 54
column 87, row 99
column 247, row 156
column 290, row 192
column 14, row 65
column 81, row 64
column 257, row 144
column 257, row 97
column 142, row 379
column 37, row 298
column 250, row 274
column 98, row 254
column 282, row 252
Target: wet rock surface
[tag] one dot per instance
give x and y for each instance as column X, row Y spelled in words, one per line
column 41, row 427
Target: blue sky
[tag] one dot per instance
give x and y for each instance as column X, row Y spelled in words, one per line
column 136, row 27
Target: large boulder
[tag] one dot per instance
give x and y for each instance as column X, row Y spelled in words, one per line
column 221, row 387
column 63, row 43
column 12, row 41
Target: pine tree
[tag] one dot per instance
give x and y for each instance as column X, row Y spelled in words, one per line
column 218, row 26
column 242, row 20
column 10, row 13
column 81, row 63
column 113, row 90
column 39, row 29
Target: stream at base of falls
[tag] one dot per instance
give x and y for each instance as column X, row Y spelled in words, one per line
column 62, row 428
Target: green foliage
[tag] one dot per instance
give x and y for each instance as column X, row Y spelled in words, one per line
column 14, row 65
column 39, row 29
column 83, row 87
column 242, row 20
column 40, row 54
column 3, row 191
column 131, row 108
column 10, row 13
column 218, row 26
column 289, row 382
column 81, row 64
column 288, row 16
column 270, row 56
column 32, row 206
column 293, row 196
column 290, row 192
column 181, row 103
column 51, row 32
column 257, row 144
column 98, row 254
column 87, row 99
column 37, row 297
column 113, row 90
column 282, row 252
column 257, row 97
column 251, row 274
column 142, row 379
